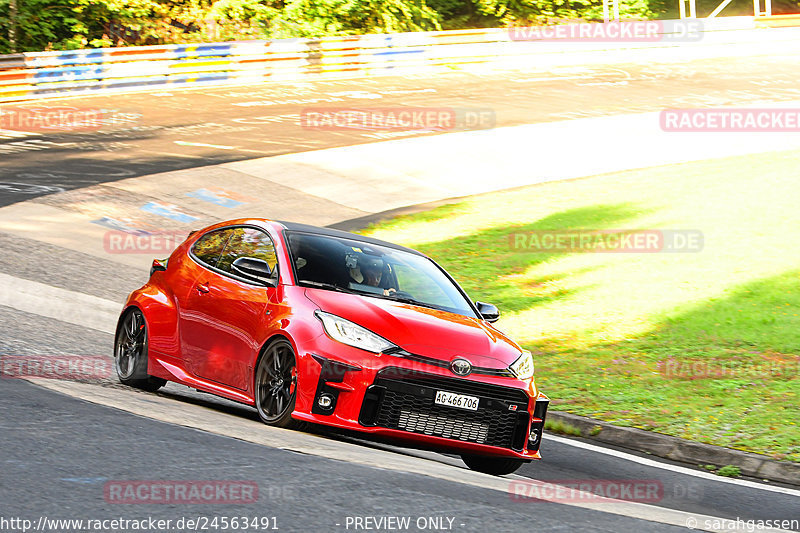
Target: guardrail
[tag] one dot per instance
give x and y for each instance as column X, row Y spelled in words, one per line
column 43, row 74
column 778, row 21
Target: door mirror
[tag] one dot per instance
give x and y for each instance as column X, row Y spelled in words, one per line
column 488, row 311
column 252, row 268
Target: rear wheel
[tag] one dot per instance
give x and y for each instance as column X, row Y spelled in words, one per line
column 496, row 466
column 276, row 385
column 130, row 353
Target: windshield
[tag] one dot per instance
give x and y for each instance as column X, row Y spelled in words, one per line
column 357, row 267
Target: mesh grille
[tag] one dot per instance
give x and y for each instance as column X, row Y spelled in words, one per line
column 443, row 426
column 408, row 405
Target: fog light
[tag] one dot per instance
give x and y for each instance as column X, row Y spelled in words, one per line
column 533, row 438
column 325, row 401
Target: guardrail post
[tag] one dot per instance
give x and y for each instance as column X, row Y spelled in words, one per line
column 757, row 8
column 692, row 9
column 12, row 25
column 614, row 7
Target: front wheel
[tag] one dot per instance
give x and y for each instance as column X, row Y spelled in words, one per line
column 496, row 466
column 276, row 385
column 130, row 353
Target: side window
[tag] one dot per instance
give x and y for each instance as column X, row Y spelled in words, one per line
column 248, row 242
column 209, row 247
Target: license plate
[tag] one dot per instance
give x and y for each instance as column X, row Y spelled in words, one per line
column 456, row 400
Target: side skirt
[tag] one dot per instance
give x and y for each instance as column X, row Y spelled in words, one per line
column 182, row 376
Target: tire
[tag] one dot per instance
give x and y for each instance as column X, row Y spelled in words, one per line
column 130, row 353
column 496, row 466
column 276, row 385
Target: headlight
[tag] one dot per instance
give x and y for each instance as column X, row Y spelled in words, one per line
column 523, row 367
column 352, row 334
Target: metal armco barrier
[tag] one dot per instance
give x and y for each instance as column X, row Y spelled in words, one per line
column 778, row 21
column 42, row 74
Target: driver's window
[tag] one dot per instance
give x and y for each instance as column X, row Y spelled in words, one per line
column 248, row 242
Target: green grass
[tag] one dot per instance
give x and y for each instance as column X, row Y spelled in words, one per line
column 562, row 428
column 618, row 336
column 729, row 471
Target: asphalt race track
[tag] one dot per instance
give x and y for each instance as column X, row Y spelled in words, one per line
column 161, row 131
column 58, row 452
column 304, row 494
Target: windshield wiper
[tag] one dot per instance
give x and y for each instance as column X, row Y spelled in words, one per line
column 337, row 288
column 412, row 301
column 323, row 285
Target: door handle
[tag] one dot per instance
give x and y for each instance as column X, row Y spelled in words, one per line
column 202, row 288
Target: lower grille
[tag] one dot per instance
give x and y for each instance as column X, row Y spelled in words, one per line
column 443, row 426
column 407, row 404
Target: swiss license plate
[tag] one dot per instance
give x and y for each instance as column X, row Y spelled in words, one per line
column 456, row 400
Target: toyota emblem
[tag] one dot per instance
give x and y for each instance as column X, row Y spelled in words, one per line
column 461, row 367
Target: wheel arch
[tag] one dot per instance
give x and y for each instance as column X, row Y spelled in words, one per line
column 160, row 313
column 125, row 310
column 278, row 335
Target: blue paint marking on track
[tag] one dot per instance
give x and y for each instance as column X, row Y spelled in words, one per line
column 214, row 198
column 168, row 211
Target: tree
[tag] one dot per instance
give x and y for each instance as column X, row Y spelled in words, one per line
column 315, row 18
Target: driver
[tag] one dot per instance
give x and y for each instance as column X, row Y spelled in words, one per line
column 370, row 271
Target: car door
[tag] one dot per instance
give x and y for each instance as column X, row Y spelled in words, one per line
column 180, row 277
column 224, row 316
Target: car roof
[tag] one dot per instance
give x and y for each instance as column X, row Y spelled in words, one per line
column 316, row 230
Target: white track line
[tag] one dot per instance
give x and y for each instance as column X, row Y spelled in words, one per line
column 61, row 304
column 672, row 468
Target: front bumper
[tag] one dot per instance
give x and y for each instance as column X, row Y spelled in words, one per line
column 393, row 397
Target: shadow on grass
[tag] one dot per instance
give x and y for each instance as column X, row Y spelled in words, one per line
column 725, row 372
column 756, row 317
column 488, row 266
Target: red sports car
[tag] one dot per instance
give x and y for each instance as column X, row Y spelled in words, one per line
column 310, row 324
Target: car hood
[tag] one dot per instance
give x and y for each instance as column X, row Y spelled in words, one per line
column 420, row 330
